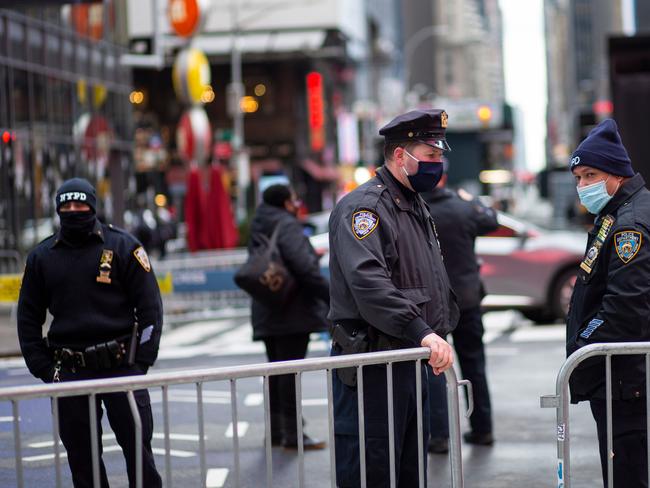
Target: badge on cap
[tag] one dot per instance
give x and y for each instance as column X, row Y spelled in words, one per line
column 142, row 257
column 364, row 223
column 443, row 119
column 105, row 267
column 627, row 244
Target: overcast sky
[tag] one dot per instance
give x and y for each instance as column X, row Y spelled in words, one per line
column 525, row 71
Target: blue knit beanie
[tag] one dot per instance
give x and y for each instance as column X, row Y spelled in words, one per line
column 604, row 150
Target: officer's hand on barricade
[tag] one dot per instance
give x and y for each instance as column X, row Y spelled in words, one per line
column 442, row 355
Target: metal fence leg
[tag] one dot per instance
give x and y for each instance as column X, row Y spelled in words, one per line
column 362, row 427
column 453, row 418
column 55, row 438
column 608, row 400
column 418, row 401
column 235, row 428
column 137, row 421
column 391, row 424
column 168, row 457
column 647, row 409
column 199, row 406
column 94, row 441
column 330, row 422
column 17, row 447
column 301, row 447
column 267, row 424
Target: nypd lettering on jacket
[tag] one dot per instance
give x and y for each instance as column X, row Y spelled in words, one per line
column 73, row 196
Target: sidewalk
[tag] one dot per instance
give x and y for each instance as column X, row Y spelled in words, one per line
column 8, row 333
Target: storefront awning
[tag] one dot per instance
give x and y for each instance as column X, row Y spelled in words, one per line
column 262, row 42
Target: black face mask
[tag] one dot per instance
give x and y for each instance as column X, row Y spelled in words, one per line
column 427, row 176
column 76, row 226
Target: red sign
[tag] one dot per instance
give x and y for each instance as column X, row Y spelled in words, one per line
column 316, row 110
column 184, row 16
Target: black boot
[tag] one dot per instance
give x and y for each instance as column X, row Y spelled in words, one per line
column 290, row 441
column 479, row 438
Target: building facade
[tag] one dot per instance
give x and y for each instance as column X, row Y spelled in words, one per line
column 64, row 112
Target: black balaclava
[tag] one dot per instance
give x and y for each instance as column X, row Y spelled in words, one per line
column 76, row 226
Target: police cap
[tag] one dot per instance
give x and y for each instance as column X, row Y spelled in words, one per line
column 425, row 126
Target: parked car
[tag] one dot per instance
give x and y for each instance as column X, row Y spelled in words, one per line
column 523, row 267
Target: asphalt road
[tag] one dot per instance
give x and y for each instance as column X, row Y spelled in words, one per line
column 523, row 361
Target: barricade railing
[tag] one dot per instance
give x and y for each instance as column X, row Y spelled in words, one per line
column 129, row 384
column 560, row 401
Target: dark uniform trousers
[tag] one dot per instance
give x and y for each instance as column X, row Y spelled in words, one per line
column 282, row 388
column 74, row 426
column 468, row 343
column 346, row 425
column 630, row 445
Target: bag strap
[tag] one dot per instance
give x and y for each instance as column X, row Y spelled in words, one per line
column 272, row 242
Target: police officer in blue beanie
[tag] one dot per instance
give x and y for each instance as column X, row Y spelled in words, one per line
column 96, row 281
column 610, row 299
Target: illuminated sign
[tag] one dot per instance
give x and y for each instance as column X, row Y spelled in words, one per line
column 316, row 110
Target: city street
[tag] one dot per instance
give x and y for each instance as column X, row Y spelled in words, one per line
column 522, row 359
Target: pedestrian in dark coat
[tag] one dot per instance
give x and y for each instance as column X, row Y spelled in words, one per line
column 460, row 218
column 285, row 331
column 610, row 299
column 97, row 283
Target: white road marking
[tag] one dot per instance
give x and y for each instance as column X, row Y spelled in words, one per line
column 18, row 372
column 242, row 428
column 215, row 397
column 108, row 437
column 254, row 400
column 539, row 334
column 156, row 450
column 216, row 477
column 8, row 419
column 314, row 402
column 502, row 351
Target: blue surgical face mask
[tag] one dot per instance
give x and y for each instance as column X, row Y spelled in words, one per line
column 594, row 197
column 427, row 176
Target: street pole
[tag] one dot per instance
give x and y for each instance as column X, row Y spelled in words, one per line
column 240, row 158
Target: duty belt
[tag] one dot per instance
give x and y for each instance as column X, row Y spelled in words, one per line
column 376, row 340
column 105, row 355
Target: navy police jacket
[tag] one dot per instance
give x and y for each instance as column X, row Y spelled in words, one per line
column 459, row 221
column 611, row 298
column 90, row 305
column 386, row 269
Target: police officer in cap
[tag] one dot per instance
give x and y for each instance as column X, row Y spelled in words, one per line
column 96, row 281
column 610, row 299
column 389, row 290
column 460, row 218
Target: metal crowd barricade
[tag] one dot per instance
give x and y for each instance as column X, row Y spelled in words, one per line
column 198, row 377
column 197, row 286
column 560, row 401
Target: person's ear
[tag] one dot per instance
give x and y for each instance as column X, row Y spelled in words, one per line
column 398, row 156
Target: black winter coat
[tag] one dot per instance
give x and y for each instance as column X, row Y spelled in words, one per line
column 611, row 298
column 458, row 223
column 307, row 310
column 385, row 263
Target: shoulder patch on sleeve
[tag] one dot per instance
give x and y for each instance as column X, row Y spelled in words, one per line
column 627, row 244
column 364, row 222
column 142, row 257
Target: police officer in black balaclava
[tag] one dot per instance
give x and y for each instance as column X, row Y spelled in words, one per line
column 96, row 281
column 76, row 204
